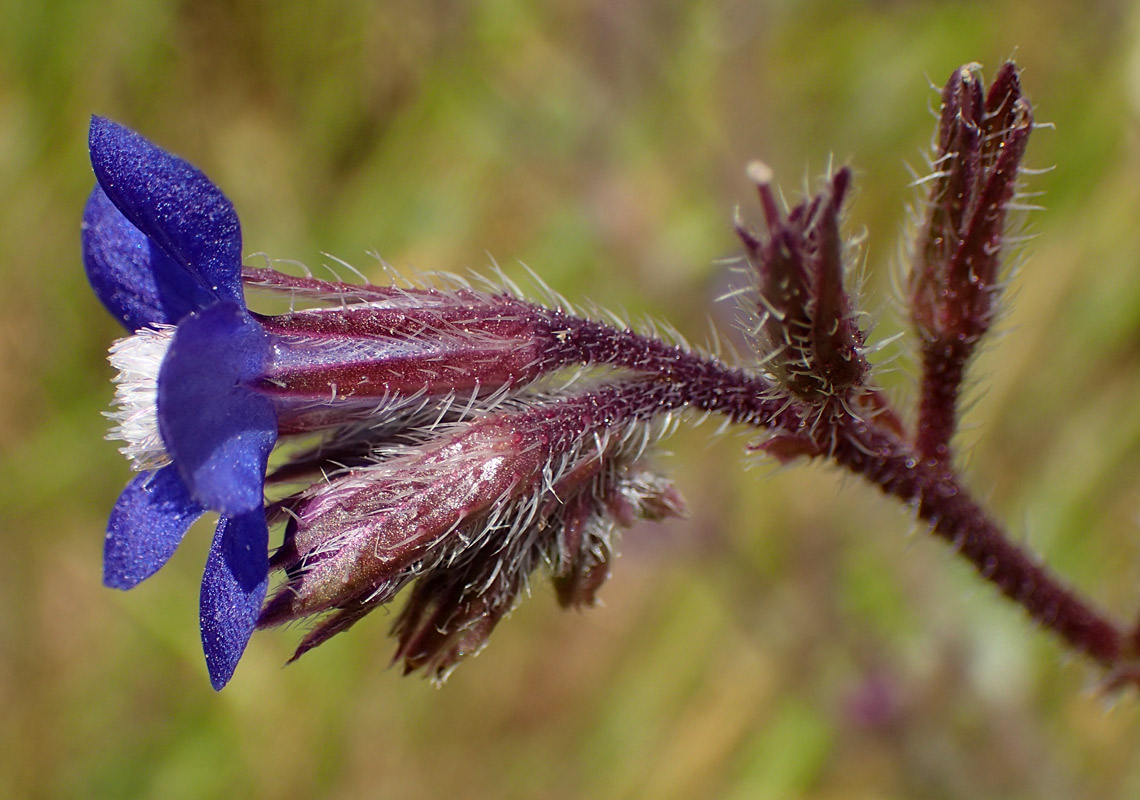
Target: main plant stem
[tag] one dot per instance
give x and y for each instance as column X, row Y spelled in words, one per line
column 955, row 516
column 873, row 449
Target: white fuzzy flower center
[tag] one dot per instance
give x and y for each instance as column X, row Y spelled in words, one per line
column 138, row 359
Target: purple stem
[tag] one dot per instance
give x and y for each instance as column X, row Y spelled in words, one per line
column 877, row 453
column 943, row 367
column 957, row 518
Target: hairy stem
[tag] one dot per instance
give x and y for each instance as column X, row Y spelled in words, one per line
column 943, row 366
column 874, row 449
column 954, row 516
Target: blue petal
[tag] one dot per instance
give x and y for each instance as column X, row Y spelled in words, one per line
column 151, row 517
column 233, row 589
column 137, row 282
column 218, row 430
column 173, row 203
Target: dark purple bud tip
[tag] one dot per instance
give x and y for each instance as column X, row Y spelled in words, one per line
column 977, row 160
column 804, row 324
column 443, row 623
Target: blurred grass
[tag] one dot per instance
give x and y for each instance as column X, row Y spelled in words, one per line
column 789, row 640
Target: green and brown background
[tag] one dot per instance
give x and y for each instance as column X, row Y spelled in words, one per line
column 796, row 637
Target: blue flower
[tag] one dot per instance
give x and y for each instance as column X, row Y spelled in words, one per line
column 162, row 250
column 206, row 387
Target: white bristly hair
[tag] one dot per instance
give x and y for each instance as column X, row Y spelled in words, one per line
column 138, row 359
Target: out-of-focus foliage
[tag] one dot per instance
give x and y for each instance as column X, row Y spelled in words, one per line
column 795, row 637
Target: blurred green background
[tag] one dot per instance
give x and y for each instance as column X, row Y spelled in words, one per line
column 796, row 637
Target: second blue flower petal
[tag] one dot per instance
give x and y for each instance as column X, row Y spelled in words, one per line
column 218, row 430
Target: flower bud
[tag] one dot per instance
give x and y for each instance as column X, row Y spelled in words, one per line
column 385, row 346
column 806, row 331
column 978, row 153
column 467, row 512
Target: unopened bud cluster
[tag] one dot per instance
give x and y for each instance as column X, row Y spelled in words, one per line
column 467, row 510
column 806, row 329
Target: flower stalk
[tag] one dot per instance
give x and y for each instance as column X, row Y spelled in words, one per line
column 956, row 279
